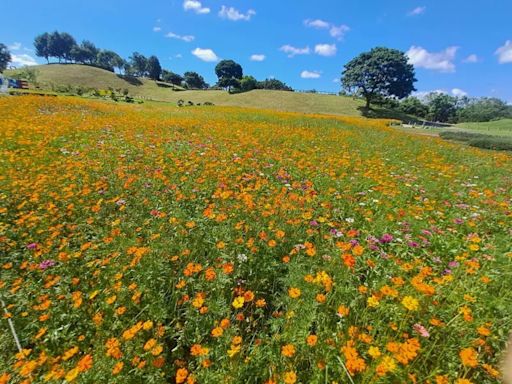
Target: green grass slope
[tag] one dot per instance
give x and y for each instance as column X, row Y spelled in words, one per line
column 499, row 127
column 92, row 77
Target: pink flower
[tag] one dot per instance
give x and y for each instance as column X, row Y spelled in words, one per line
column 421, row 330
column 32, row 246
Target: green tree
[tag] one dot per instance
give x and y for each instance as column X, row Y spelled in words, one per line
column 193, row 80
column 60, row 45
column 229, row 74
column 248, row 83
column 274, row 84
column 484, row 109
column 108, row 60
column 380, row 72
column 138, row 64
column 42, row 46
column 85, row 53
column 153, row 68
column 171, row 77
column 442, row 107
column 413, row 106
column 5, row 57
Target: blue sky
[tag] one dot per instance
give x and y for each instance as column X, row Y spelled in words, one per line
column 456, row 46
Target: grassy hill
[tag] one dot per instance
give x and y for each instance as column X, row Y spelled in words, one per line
column 92, row 77
column 499, row 127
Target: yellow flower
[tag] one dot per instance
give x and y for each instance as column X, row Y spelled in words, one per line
column 238, row 302
column 372, row 301
column 374, row 352
column 410, row 303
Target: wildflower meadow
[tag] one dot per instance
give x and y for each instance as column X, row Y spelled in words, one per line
column 156, row 244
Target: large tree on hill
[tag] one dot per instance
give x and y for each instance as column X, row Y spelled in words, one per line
column 42, row 46
column 138, row 64
column 381, row 72
column 5, row 57
column 109, row 60
column 153, row 68
column 171, row 77
column 60, row 45
column 85, row 53
column 229, row 73
column 194, row 80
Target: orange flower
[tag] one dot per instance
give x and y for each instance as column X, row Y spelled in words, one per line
column 469, row 357
column 294, row 293
column 288, row 350
column 181, row 375
column 290, row 377
column 311, row 340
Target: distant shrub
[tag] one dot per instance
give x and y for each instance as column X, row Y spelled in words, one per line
column 461, row 135
column 493, row 142
column 479, row 140
column 208, row 103
column 181, row 102
column 190, row 103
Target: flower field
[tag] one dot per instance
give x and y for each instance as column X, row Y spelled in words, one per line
column 154, row 244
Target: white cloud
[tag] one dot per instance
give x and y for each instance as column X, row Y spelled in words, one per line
column 457, row 92
column 293, row 51
column 257, row 57
column 439, row 61
column 319, row 24
column 471, row 59
column 178, row 56
column 205, row 54
column 157, row 29
column 505, row 53
column 334, row 30
column 186, row 38
column 14, row 46
column 235, row 15
column 310, row 74
column 325, row 49
column 195, row 6
column 417, row 11
column 339, row 31
column 22, row 60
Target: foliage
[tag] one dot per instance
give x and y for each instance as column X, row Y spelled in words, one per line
column 153, row 67
column 274, row 84
column 26, row 73
column 193, row 80
column 248, row 83
column 380, row 72
column 60, row 45
column 442, row 107
column 5, row 57
column 229, row 74
column 109, row 60
column 171, row 77
column 227, row 245
column 413, row 106
column 484, row 109
column 138, row 64
column 85, row 53
column 42, row 45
